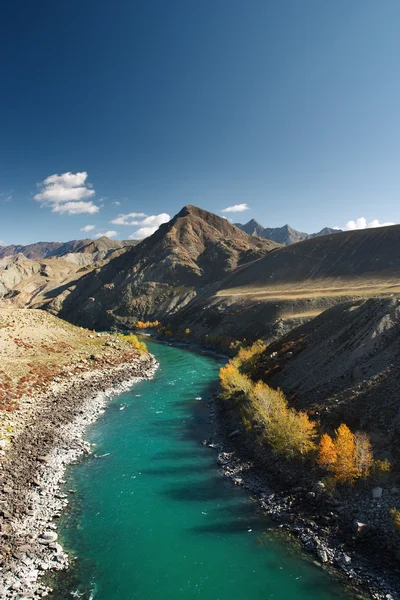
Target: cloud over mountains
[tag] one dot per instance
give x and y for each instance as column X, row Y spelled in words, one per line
column 361, row 223
column 148, row 223
column 67, row 193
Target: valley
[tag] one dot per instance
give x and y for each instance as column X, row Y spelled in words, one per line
column 317, row 319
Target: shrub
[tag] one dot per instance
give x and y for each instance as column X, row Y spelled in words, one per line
column 134, row 341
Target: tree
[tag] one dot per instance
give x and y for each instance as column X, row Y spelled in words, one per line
column 291, row 433
column 364, row 456
column 233, row 381
column 327, row 454
column 344, row 468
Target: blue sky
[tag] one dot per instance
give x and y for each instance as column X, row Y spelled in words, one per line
column 289, row 107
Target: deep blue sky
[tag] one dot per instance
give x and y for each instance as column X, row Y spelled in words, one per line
column 290, row 106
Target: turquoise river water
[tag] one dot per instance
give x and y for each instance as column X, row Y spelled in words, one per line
column 155, row 520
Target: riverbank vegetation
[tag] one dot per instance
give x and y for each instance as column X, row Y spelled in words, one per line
column 266, row 415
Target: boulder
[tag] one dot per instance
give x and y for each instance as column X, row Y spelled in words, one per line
column 377, row 493
column 47, row 537
column 319, row 487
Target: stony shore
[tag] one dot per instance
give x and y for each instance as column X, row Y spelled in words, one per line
column 33, row 470
column 309, row 514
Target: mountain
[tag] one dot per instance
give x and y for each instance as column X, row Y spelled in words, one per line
column 292, row 284
column 100, row 247
column 161, row 274
column 201, row 272
column 26, row 276
column 285, row 235
column 253, row 227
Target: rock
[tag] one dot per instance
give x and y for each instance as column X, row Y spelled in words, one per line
column 377, row 493
column 360, row 529
column 344, row 559
column 322, row 555
column 310, row 495
column 47, row 537
column 319, row 487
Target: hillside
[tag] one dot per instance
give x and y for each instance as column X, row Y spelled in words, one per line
column 161, row 274
column 293, row 284
column 344, row 366
column 285, row 235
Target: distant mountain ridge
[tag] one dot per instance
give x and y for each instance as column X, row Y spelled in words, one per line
column 285, row 235
column 38, row 251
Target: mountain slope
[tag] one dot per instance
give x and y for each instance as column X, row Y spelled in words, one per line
column 293, row 284
column 162, row 273
column 350, row 254
column 354, row 350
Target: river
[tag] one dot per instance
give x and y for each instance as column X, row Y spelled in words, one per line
column 155, row 520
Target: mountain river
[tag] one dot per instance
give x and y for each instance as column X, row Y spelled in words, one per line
column 153, row 518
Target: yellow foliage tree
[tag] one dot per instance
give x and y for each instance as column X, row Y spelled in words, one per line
column 291, row 433
column 364, row 456
column 327, row 454
column 345, row 468
column 233, row 381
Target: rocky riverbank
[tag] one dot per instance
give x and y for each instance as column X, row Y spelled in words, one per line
column 32, row 470
column 324, row 525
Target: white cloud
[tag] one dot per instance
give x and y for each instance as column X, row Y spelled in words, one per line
column 235, row 208
column 108, row 234
column 117, row 203
column 127, row 219
column 148, row 225
column 76, row 208
column 88, row 228
column 67, row 193
column 142, row 233
column 361, row 223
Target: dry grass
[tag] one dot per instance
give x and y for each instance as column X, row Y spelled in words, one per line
column 317, row 289
column 35, row 337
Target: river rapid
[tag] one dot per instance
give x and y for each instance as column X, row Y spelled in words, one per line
column 154, row 519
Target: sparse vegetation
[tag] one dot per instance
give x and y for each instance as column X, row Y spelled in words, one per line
column 148, row 324
column 134, row 341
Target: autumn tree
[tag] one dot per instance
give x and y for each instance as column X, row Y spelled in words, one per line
column 344, row 468
column 364, row 456
column 233, row 381
column 327, row 454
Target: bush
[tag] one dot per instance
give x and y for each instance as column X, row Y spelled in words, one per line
column 134, row 341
